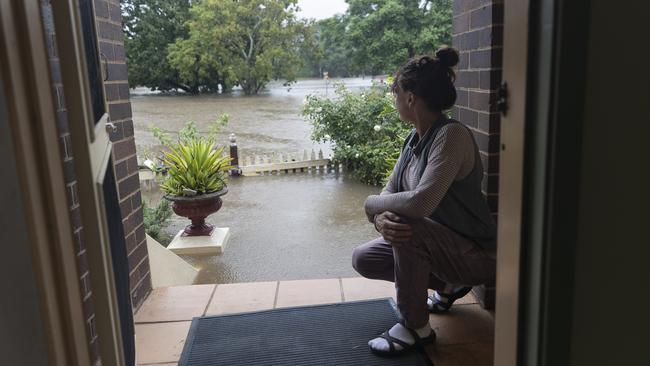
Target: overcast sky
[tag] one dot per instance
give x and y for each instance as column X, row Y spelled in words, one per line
column 320, row 9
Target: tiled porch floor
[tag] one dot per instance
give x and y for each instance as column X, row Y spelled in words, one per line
column 465, row 335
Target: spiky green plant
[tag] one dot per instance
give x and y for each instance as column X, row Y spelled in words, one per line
column 195, row 167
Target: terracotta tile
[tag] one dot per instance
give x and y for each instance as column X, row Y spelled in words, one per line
column 308, row 292
column 463, row 324
column 175, row 303
column 160, row 342
column 359, row 288
column 475, row 354
column 242, row 297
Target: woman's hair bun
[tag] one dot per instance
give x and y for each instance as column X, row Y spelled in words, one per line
column 448, row 56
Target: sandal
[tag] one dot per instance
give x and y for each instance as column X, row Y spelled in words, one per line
column 437, row 307
column 417, row 345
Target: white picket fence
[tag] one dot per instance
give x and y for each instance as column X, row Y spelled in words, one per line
column 256, row 165
column 278, row 163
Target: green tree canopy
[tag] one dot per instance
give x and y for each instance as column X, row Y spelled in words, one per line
column 377, row 36
column 245, row 42
column 331, row 33
column 382, row 34
column 149, row 26
column 204, row 45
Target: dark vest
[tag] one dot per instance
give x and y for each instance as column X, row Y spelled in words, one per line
column 464, row 208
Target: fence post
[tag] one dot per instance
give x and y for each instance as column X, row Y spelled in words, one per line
column 234, row 155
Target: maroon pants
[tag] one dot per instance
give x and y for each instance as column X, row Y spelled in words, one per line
column 435, row 257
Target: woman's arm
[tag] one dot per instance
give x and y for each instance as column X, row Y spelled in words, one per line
column 391, row 186
column 446, row 157
column 391, row 183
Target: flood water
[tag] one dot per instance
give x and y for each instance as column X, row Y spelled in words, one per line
column 282, row 227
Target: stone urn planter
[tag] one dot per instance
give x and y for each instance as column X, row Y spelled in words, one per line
column 197, row 208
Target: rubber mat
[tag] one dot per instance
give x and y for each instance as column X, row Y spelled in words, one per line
column 333, row 334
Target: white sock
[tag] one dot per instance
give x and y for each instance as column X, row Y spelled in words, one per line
column 398, row 331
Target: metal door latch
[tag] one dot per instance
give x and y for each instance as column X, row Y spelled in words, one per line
column 502, row 101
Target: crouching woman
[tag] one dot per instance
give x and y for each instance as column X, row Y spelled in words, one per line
column 436, row 229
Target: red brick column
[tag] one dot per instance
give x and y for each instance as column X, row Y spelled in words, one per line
column 111, row 45
column 478, row 36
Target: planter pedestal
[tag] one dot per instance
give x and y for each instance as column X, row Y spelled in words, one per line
column 200, row 245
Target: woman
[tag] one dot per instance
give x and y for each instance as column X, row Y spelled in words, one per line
column 437, row 231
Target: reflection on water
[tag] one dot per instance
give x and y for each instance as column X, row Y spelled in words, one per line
column 289, row 226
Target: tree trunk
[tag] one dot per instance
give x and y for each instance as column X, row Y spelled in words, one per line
column 183, row 87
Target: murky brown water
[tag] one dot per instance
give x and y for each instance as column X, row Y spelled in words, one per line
column 265, row 123
column 294, row 226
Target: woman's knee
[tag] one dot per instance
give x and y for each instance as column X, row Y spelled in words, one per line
column 359, row 259
column 365, row 262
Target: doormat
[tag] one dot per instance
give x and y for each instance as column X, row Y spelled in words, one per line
column 333, row 334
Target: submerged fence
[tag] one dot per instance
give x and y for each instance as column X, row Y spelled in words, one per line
column 257, row 165
column 278, row 163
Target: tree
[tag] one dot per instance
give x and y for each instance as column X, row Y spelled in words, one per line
column 327, row 49
column 336, row 50
column 311, row 51
column 245, row 42
column 382, row 34
column 149, row 27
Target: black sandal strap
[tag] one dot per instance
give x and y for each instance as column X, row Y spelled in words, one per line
column 392, row 341
column 456, row 294
column 442, row 305
column 414, row 334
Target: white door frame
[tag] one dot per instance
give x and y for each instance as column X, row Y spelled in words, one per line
column 511, row 177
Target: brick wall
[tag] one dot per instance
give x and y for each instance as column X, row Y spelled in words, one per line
column 111, row 44
column 477, row 30
column 478, row 36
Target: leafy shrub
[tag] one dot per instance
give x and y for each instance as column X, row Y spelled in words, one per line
column 156, row 218
column 190, row 131
column 365, row 130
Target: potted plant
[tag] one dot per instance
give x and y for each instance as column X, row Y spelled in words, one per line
column 195, row 181
column 195, row 174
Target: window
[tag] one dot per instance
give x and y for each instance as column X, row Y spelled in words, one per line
column 92, row 58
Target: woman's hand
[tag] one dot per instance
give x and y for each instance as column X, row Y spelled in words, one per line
column 390, row 227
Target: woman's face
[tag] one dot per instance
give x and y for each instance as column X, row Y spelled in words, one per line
column 404, row 104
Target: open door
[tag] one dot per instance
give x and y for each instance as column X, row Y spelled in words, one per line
column 29, row 107
column 29, row 111
column 545, row 53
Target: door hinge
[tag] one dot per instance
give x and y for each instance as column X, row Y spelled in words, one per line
column 502, row 101
column 111, row 128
